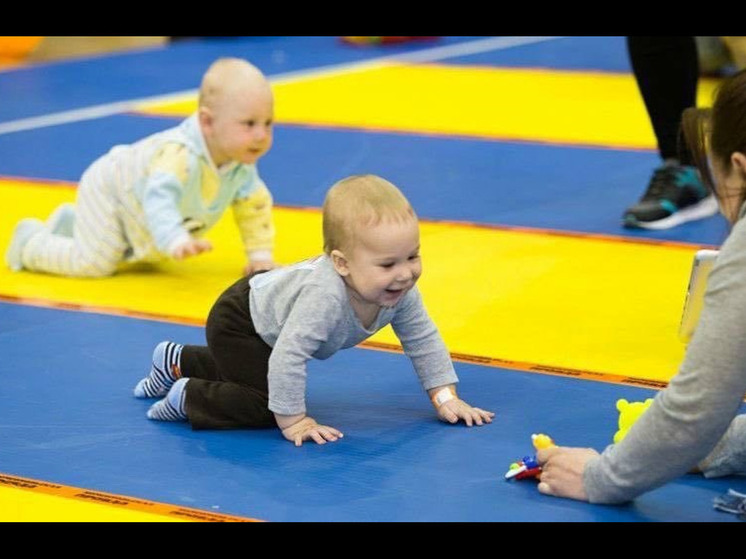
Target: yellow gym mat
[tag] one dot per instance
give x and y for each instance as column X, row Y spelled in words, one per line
column 30, row 500
column 567, row 301
column 568, row 107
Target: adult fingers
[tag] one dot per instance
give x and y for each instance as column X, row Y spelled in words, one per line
column 544, row 454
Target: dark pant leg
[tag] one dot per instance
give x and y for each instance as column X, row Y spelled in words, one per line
column 667, row 73
column 197, row 362
column 227, row 386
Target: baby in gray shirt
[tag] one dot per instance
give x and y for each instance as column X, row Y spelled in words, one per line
column 262, row 331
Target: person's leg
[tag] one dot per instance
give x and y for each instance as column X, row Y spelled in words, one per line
column 240, row 397
column 62, row 220
column 667, row 71
column 226, row 386
column 97, row 244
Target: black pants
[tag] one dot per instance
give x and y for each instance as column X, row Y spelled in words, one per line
column 667, row 73
column 227, row 386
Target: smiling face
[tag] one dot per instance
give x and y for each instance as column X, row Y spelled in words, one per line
column 382, row 265
column 236, row 113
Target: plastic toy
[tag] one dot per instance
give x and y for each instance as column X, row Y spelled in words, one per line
column 629, row 413
column 528, row 467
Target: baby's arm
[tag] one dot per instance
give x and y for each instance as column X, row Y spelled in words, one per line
column 451, row 408
column 161, row 197
column 304, row 330
column 253, row 215
column 423, row 344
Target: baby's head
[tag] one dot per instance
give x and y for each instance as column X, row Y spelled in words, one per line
column 372, row 235
column 236, row 111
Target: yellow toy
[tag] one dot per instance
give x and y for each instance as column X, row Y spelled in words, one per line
column 541, row 441
column 629, row 412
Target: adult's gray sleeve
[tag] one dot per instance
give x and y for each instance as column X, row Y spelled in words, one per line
column 690, row 416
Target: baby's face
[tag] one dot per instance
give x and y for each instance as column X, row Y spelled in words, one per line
column 241, row 127
column 385, row 262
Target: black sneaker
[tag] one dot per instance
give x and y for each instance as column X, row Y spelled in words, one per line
column 675, row 195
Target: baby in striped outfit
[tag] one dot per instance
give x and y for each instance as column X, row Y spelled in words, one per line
column 155, row 198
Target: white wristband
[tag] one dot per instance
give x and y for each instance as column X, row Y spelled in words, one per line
column 443, row 395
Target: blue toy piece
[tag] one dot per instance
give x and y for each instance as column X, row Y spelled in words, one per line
column 529, row 467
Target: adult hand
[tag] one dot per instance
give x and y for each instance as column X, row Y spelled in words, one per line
column 562, row 471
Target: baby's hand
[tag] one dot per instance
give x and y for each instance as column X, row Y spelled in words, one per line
column 192, row 247
column 307, row 429
column 455, row 409
column 258, row 266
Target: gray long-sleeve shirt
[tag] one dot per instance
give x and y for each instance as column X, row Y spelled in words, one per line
column 691, row 422
column 303, row 312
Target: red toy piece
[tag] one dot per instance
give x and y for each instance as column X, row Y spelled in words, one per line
column 529, row 467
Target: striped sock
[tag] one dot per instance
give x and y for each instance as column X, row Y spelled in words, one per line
column 163, row 373
column 171, row 408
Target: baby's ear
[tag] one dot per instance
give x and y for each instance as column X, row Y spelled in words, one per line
column 205, row 118
column 340, row 262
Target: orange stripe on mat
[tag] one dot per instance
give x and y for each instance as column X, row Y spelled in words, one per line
column 533, row 367
column 461, row 357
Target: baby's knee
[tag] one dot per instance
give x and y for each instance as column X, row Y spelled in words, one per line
column 91, row 269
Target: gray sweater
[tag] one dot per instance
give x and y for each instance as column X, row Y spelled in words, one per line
column 693, row 420
column 303, row 312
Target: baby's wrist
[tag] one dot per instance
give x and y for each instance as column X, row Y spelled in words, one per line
column 259, row 256
column 439, row 396
column 287, row 421
column 180, row 240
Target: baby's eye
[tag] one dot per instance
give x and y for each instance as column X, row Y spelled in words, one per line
column 250, row 123
column 387, row 266
column 414, row 257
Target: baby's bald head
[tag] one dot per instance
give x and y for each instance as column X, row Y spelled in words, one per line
column 227, row 77
column 236, row 111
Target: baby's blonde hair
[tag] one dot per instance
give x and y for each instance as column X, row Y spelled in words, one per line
column 227, row 75
column 360, row 200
